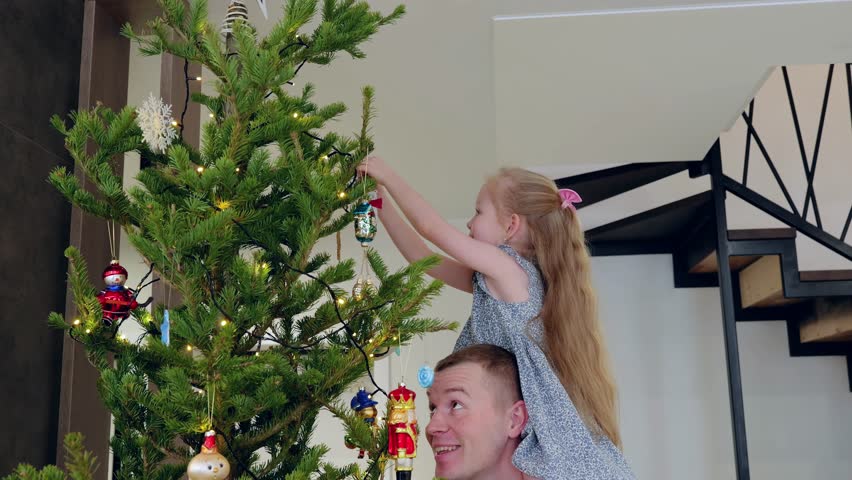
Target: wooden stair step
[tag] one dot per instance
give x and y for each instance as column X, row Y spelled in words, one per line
column 825, row 276
column 761, row 234
column 709, row 264
column 831, row 321
column 761, row 284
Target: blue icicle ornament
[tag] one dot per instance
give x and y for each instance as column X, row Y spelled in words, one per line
column 164, row 328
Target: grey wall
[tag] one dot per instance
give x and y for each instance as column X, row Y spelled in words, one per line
column 39, row 69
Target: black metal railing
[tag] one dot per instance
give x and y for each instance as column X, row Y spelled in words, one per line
column 799, row 218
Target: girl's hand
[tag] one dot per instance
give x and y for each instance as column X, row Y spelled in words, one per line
column 376, row 168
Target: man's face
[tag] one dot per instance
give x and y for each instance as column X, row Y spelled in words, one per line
column 471, row 423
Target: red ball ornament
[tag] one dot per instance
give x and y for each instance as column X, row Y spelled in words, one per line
column 117, row 301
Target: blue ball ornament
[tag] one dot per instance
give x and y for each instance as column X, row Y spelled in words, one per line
column 425, row 376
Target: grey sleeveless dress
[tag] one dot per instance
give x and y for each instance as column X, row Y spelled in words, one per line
column 556, row 443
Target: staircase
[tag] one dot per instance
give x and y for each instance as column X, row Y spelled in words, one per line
column 756, row 270
column 767, row 284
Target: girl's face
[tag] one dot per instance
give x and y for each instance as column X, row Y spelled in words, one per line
column 487, row 224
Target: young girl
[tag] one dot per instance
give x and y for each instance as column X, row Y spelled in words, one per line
column 526, row 263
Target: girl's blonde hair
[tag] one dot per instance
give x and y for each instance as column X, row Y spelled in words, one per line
column 573, row 338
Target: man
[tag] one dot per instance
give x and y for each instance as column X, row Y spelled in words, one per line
column 477, row 415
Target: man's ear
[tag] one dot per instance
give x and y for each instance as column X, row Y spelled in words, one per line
column 518, row 418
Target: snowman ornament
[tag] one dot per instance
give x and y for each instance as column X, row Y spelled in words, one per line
column 117, row 301
column 209, row 464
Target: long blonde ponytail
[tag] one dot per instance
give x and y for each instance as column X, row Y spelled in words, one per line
column 573, row 338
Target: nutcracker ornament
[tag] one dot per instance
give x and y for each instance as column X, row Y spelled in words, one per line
column 365, row 407
column 117, row 301
column 209, row 464
column 402, row 431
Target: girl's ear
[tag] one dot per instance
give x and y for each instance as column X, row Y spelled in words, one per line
column 515, row 222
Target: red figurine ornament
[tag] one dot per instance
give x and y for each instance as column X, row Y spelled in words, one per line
column 402, row 431
column 117, row 301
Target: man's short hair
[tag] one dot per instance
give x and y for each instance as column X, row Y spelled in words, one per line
column 497, row 362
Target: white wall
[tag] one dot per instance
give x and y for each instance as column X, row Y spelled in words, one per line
column 144, row 79
column 670, row 367
column 666, row 344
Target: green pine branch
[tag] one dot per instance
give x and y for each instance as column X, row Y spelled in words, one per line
column 80, row 464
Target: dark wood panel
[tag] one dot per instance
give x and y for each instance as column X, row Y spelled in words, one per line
column 103, row 78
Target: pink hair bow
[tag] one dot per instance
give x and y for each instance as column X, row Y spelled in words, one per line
column 569, row 198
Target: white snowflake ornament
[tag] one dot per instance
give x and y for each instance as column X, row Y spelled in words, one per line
column 155, row 119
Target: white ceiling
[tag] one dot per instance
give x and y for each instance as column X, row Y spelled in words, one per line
column 464, row 86
column 645, row 85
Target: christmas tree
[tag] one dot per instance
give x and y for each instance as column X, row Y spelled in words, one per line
column 232, row 227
